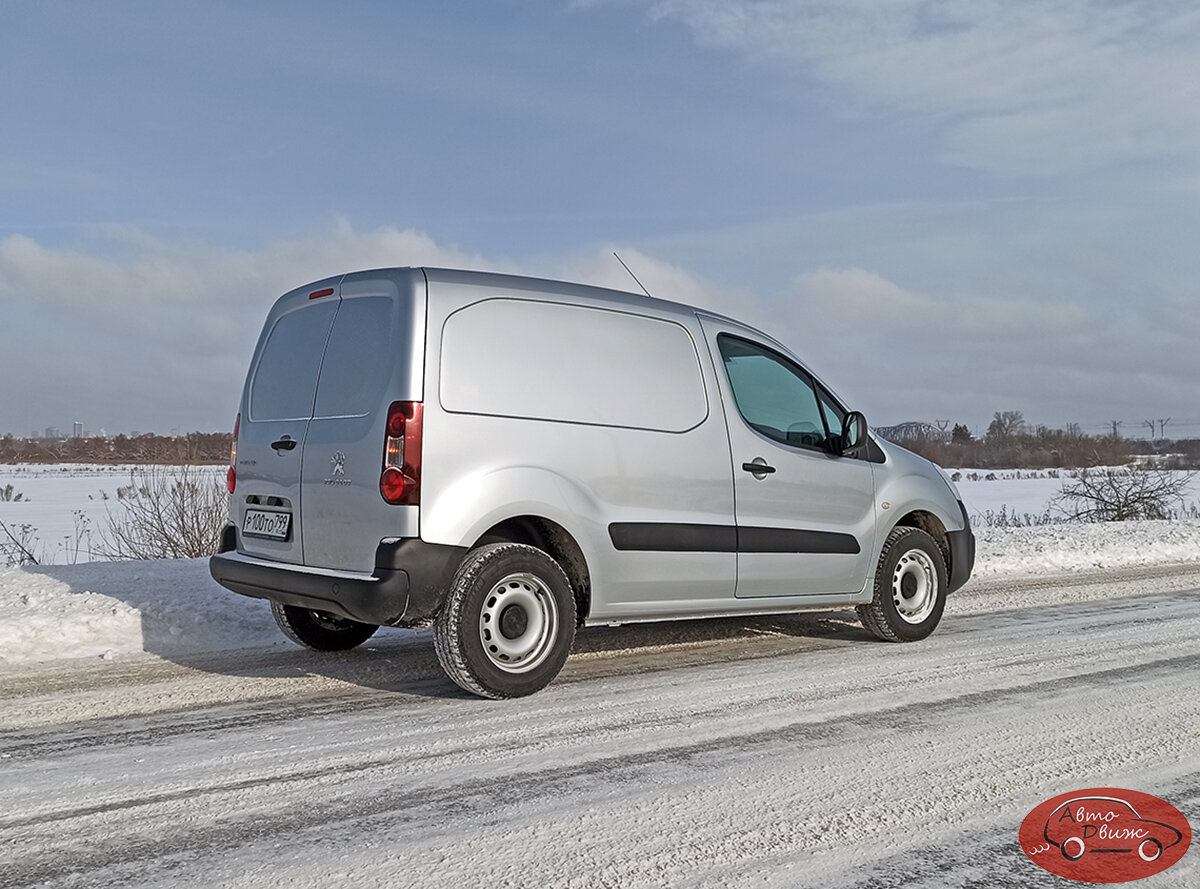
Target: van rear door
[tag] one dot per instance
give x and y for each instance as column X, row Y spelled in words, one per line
column 277, row 407
column 374, row 356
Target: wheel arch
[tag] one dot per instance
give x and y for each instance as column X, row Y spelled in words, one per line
column 928, row 522
column 554, row 540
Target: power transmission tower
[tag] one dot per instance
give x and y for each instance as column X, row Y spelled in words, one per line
column 1117, row 424
column 1162, row 424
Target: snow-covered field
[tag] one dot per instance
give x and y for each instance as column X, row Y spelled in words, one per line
column 114, row 609
column 1023, row 492
column 67, row 505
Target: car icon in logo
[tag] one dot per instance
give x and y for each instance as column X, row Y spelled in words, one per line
column 338, row 462
column 1105, row 824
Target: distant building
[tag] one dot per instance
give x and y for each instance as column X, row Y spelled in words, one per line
column 77, row 430
column 53, row 433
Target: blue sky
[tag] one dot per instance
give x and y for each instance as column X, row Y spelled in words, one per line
column 948, row 208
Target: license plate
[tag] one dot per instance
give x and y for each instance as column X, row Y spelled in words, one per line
column 259, row 523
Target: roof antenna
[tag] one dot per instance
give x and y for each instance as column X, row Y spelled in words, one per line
column 631, row 274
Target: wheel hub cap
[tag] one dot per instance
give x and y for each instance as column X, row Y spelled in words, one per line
column 518, row 623
column 513, row 622
column 914, row 586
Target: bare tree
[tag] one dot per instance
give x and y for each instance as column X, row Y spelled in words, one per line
column 170, row 512
column 1119, row 495
column 1007, row 424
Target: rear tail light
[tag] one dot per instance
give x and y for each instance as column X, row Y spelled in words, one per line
column 400, row 481
column 231, row 476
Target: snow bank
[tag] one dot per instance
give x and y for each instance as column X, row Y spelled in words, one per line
column 108, row 609
column 1049, row 549
column 105, row 609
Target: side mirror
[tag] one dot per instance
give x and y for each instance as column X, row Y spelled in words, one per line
column 854, row 436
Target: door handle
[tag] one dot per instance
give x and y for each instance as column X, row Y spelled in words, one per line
column 758, row 467
column 284, row 444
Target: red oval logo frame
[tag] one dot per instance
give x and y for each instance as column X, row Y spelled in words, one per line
column 1105, row 835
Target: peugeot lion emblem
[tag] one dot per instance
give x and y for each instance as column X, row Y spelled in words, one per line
column 338, row 461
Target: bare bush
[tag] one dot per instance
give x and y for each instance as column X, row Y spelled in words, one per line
column 1121, row 495
column 991, row 518
column 18, row 544
column 166, row 512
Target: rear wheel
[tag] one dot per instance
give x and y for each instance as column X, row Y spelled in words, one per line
column 910, row 588
column 319, row 629
column 508, row 622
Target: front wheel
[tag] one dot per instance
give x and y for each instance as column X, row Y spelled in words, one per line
column 910, row 588
column 508, row 622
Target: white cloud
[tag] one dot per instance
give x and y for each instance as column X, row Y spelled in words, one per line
column 140, row 333
column 1022, row 86
column 662, row 279
column 136, row 332
column 902, row 354
column 148, row 334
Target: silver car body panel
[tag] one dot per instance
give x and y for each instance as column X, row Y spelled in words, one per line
column 607, row 413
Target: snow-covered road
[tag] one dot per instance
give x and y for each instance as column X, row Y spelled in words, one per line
column 786, row 752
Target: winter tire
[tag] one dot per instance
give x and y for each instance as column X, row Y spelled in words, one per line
column 319, row 630
column 910, row 588
column 508, row 622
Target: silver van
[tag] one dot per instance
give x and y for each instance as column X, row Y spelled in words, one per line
column 510, row 458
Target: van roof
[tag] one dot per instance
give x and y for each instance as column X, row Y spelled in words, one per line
column 553, row 287
column 550, row 286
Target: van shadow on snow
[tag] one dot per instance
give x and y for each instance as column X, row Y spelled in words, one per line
column 188, row 619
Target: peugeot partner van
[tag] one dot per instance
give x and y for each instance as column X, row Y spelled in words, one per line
column 509, row 458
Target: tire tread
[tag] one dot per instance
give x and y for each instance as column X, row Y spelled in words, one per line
column 448, row 627
column 872, row 615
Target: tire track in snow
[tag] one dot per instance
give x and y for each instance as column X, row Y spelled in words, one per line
column 753, row 639
column 412, row 812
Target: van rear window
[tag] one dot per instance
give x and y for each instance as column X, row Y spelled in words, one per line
column 285, row 380
column 358, row 358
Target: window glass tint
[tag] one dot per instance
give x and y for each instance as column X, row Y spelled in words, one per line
column 358, row 358
column 773, row 395
column 286, row 377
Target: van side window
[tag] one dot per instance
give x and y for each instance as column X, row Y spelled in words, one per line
column 285, row 380
column 773, row 395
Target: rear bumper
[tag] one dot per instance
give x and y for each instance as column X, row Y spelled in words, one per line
column 408, row 584
column 962, row 553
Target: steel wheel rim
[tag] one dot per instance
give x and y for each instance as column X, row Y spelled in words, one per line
column 518, row 623
column 914, row 586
